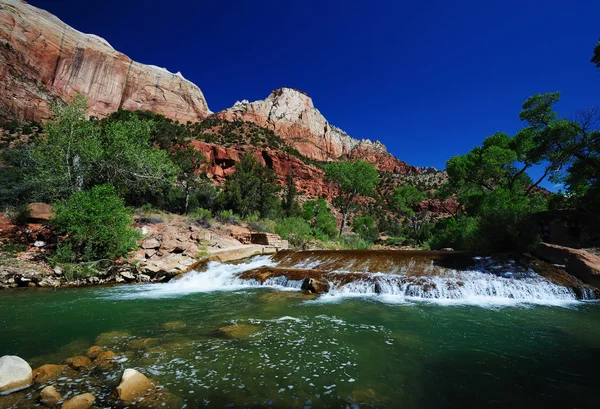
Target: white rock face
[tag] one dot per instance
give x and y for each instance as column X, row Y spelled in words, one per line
column 15, row 374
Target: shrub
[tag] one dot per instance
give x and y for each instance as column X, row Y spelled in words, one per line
column 320, row 217
column 21, row 218
column 364, row 226
column 461, row 234
column 354, row 242
column 227, row 217
column 263, row 225
column 95, row 225
column 295, row 230
column 202, row 217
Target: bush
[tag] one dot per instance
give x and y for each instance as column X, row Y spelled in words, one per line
column 364, row 226
column 202, row 217
column 264, row 225
column 95, row 225
column 461, row 234
column 21, row 218
column 354, row 242
column 227, row 217
column 295, row 230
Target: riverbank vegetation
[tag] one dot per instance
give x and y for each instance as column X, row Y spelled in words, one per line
column 95, row 171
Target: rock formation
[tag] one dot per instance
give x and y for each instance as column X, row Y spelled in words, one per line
column 292, row 116
column 43, row 60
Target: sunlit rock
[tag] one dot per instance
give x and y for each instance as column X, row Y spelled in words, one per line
column 134, row 385
column 15, row 374
column 78, row 361
column 83, row 401
column 48, row 372
column 49, row 396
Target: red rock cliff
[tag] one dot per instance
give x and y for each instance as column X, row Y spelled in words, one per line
column 43, row 60
column 292, row 116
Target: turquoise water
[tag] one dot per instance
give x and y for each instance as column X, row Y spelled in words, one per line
column 309, row 352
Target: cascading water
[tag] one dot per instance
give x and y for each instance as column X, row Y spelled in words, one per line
column 390, row 277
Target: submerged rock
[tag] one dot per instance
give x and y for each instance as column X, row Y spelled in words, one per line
column 141, row 344
column 134, row 385
column 315, row 286
column 237, row 331
column 50, row 396
column 15, row 374
column 105, row 359
column 174, row 325
column 94, row 351
column 79, row 361
column 83, row 401
column 48, row 372
column 112, row 338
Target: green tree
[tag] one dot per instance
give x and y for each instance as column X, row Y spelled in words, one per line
column 94, row 224
column 364, row 226
column 405, row 198
column 78, row 154
column 289, row 203
column 352, row 179
column 322, row 221
column 251, row 188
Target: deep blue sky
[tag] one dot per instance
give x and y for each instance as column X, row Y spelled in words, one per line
column 430, row 79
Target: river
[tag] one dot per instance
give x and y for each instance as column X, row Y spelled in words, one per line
column 500, row 340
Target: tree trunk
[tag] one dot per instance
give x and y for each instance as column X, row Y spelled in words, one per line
column 187, row 200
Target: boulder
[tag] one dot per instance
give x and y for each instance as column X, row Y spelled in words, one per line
column 133, row 386
column 47, row 373
column 579, row 263
column 150, row 244
column 15, row 374
column 49, row 282
column 83, row 401
column 79, row 361
column 49, row 396
column 40, row 212
column 315, row 285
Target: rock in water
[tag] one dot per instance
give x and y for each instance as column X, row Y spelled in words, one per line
column 49, row 396
column 315, row 286
column 79, row 361
column 48, row 372
column 15, row 374
column 237, row 331
column 83, row 401
column 133, row 386
column 94, row 351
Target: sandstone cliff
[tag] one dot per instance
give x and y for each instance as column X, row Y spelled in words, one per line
column 292, row 116
column 43, row 60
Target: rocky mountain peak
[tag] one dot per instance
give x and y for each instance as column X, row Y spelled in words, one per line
column 43, row 60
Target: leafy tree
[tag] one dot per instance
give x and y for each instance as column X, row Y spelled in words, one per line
column 364, row 226
column 352, row 179
column 78, row 154
column 251, row 188
column 94, row 224
column 405, row 198
column 289, row 203
column 322, row 221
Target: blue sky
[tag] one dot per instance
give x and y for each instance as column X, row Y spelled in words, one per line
column 430, row 79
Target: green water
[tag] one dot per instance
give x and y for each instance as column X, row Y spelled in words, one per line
column 307, row 353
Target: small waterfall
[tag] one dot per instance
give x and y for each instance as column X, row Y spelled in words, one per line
column 391, row 277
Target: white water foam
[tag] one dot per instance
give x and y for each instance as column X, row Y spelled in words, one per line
column 486, row 284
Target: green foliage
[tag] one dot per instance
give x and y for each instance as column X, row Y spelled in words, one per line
column 21, row 218
column 296, row 230
column 78, row 154
column 352, row 179
column 459, row 234
column 94, row 224
column 354, row 242
column 322, row 221
column 202, row 217
column 263, row 225
column 289, row 203
column 364, row 226
column 228, row 217
column 250, row 188
column 405, row 198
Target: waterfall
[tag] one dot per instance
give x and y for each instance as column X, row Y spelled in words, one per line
column 388, row 277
